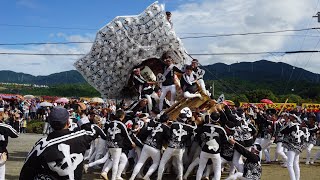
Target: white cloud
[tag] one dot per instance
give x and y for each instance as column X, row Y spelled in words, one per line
column 229, row 16
column 209, row 17
column 44, row 65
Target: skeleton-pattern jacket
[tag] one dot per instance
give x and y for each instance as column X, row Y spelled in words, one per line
column 117, row 134
column 252, row 167
column 312, row 129
column 189, row 83
column 179, row 134
column 5, row 132
column 211, row 138
column 293, row 137
column 60, row 155
column 199, row 72
column 158, row 135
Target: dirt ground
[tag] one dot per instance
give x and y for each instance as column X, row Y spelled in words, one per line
column 19, row 148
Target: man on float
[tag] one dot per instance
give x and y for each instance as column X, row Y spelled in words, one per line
column 199, row 73
column 189, row 84
column 167, row 81
column 139, row 82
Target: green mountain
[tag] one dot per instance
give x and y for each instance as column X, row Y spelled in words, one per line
column 67, row 77
column 244, row 81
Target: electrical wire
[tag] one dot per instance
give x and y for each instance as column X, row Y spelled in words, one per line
column 190, row 37
column 191, row 54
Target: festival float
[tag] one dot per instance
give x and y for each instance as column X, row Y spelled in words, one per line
column 128, row 42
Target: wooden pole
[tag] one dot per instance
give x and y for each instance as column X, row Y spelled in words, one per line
column 283, row 107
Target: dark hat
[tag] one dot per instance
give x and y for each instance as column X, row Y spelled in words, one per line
column 215, row 116
column 58, row 115
column 164, row 118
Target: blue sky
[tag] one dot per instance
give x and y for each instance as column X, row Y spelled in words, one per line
column 189, row 16
column 87, row 15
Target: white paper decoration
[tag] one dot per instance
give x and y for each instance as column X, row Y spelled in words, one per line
column 124, row 43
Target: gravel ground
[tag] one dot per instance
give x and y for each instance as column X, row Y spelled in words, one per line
column 18, row 149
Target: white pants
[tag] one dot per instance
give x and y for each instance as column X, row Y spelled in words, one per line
column 264, row 143
column 280, row 151
column 309, row 148
column 293, row 165
column 216, row 162
column 189, row 95
column 147, row 151
column 119, row 161
column 2, row 171
column 164, row 91
column 237, row 175
column 191, row 167
column 203, row 86
column 100, row 161
column 107, row 166
column 168, row 153
column 237, row 161
column 149, row 102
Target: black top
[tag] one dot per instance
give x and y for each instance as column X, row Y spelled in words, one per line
column 252, row 167
column 158, row 135
column 180, row 134
column 117, row 134
column 211, row 137
column 170, row 76
column 5, row 132
column 187, row 85
column 293, row 137
column 59, row 156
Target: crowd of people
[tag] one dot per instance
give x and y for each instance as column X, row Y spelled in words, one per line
column 145, row 145
column 138, row 140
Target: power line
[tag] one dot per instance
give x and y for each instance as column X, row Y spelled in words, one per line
column 190, row 37
column 250, row 33
column 301, row 45
column 192, row 54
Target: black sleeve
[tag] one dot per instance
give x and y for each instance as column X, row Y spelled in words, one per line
column 285, row 129
column 249, row 155
column 12, row 132
column 175, row 69
column 313, row 129
column 125, row 133
column 138, row 81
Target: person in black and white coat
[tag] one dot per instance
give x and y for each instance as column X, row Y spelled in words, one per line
column 278, row 138
column 159, row 133
column 293, row 141
column 167, row 81
column 117, row 136
column 211, row 136
column 312, row 129
column 179, row 135
column 60, row 155
column 5, row 132
column 252, row 168
column 189, row 84
column 199, row 74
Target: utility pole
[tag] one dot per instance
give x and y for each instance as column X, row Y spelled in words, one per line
column 317, row 16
